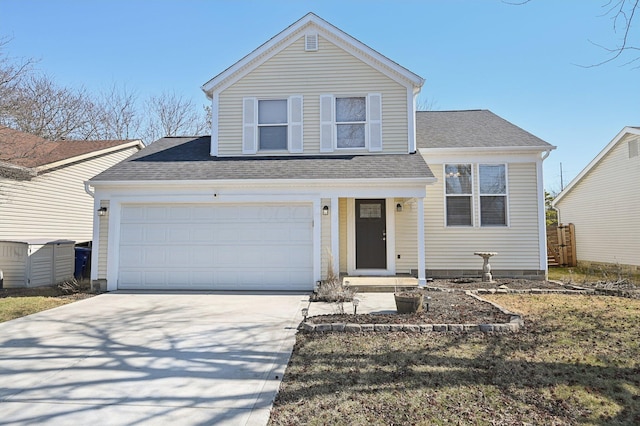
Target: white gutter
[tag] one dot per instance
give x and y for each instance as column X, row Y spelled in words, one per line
column 87, row 190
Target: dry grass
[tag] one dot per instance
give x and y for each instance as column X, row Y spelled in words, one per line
column 19, row 302
column 576, row 363
column 593, row 275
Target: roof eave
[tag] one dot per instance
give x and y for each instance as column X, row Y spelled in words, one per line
column 310, row 18
column 625, row 131
column 76, row 158
column 480, row 149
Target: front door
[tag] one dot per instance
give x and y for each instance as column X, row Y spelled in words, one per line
column 371, row 234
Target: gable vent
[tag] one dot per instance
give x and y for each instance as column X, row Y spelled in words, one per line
column 311, row 42
column 633, row 148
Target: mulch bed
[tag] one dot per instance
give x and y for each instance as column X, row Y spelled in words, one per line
column 444, row 308
column 44, row 292
column 451, row 306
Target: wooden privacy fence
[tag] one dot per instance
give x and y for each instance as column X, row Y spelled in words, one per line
column 561, row 245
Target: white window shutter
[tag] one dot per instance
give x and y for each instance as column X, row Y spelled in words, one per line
column 375, row 122
column 249, row 125
column 326, row 123
column 295, row 124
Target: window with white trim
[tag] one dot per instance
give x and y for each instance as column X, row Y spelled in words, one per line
column 351, row 117
column 493, row 194
column 351, row 122
column 487, row 191
column 459, row 194
column 272, row 125
column 273, row 122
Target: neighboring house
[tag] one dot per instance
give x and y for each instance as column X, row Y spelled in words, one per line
column 42, row 191
column 603, row 202
column 313, row 163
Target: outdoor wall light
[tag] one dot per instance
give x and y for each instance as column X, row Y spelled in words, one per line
column 102, row 211
column 325, row 210
column 398, row 207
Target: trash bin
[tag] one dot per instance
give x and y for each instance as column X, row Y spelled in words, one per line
column 83, row 259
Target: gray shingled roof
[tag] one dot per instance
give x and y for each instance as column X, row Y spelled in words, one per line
column 470, row 129
column 187, row 158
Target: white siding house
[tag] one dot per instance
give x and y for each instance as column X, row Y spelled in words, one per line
column 603, row 202
column 42, row 191
column 317, row 157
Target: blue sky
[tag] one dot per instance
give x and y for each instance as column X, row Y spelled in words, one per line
column 521, row 62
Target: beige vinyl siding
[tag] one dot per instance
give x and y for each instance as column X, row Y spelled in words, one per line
column 330, row 70
column 103, row 244
column 517, row 245
column 342, row 217
column 604, row 208
column 406, row 235
column 54, row 204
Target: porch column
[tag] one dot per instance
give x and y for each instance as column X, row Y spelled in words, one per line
column 422, row 281
column 335, row 235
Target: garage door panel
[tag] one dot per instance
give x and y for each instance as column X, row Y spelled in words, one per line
column 252, row 247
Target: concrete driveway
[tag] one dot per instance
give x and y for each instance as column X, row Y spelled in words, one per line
column 133, row 359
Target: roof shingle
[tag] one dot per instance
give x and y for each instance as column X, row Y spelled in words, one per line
column 175, row 158
column 471, row 129
column 27, row 150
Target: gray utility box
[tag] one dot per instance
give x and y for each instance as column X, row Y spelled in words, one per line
column 36, row 262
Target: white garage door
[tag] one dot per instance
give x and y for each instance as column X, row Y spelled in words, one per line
column 216, row 247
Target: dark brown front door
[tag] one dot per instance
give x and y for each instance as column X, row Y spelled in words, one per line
column 371, row 234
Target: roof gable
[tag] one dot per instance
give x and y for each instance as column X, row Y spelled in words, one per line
column 29, row 151
column 482, row 129
column 312, row 24
column 629, row 130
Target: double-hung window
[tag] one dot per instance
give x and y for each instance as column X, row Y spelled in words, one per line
column 351, row 122
column 351, row 117
column 272, row 124
column 459, row 194
column 483, row 186
column 493, row 194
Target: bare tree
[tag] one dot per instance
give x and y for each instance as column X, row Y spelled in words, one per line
column 171, row 115
column 117, row 116
column 622, row 14
column 42, row 108
column 11, row 74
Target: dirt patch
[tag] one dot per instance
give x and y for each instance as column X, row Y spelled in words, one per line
column 476, row 283
column 444, row 308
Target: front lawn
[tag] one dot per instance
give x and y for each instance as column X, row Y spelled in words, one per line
column 19, row 302
column 576, row 363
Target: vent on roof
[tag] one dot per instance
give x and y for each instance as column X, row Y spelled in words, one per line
column 634, row 148
column 311, row 42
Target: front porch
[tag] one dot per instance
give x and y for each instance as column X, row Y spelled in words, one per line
column 380, row 284
column 374, row 237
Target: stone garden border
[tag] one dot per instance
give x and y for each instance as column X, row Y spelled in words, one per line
column 516, row 322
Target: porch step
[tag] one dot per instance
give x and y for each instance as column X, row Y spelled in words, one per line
column 380, row 284
column 551, row 261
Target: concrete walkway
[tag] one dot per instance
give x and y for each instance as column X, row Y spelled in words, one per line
column 125, row 359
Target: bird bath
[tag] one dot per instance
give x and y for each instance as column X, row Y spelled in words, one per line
column 486, row 267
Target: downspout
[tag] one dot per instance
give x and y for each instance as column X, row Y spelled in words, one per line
column 546, row 154
column 88, row 191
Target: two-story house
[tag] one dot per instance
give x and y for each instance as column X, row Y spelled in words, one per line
column 317, row 159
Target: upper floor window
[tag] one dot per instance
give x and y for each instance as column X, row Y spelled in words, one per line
column 272, row 124
column 351, row 117
column 351, row 122
column 460, row 187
